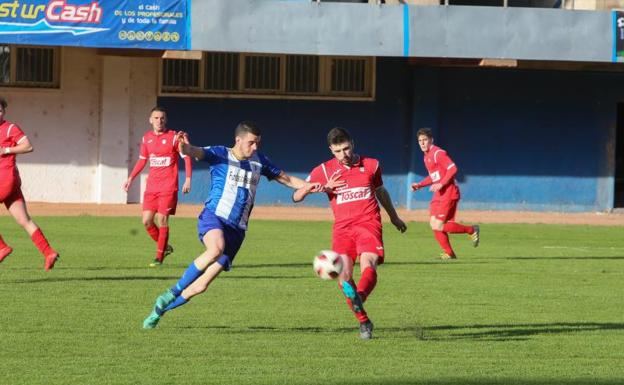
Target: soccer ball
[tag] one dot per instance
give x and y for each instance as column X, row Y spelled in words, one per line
column 328, row 264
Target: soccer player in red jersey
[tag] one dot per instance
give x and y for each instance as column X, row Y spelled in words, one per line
column 12, row 143
column 160, row 147
column 353, row 185
column 442, row 171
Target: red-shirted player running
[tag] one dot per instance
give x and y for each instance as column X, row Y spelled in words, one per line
column 442, row 171
column 160, row 148
column 14, row 142
column 353, row 185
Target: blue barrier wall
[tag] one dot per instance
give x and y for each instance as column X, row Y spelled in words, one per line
column 533, row 140
column 523, row 140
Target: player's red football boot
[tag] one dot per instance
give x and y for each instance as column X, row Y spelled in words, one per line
column 4, row 252
column 50, row 260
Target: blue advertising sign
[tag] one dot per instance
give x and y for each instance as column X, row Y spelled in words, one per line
column 151, row 24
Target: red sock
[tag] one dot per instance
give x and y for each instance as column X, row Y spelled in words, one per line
column 163, row 237
column 443, row 240
column 367, row 283
column 457, row 228
column 152, row 230
column 41, row 243
column 361, row 315
column 2, row 244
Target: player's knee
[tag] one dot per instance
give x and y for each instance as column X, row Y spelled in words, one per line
column 436, row 225
column 148, row 222
column 25, row 222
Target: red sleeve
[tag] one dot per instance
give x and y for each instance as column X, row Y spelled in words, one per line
column 188, row 168
column 446, row 163
column 143, row 153
column 425, row 182
column 15, row 133
column 138, row 167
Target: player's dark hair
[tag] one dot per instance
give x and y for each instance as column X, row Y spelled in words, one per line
column 426, row 131
column 246, row 127
column 159, row 109
column 338, row 135
column 3, row 103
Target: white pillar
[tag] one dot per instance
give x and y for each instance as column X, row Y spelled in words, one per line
column 113, row 159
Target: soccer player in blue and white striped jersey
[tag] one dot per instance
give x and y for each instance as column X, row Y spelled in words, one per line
column 235, row 174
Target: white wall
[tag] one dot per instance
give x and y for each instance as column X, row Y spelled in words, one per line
column 82, row 133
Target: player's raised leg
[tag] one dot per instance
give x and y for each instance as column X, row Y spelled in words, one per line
column 20, row 214
column 354, row 301
column 222, row 244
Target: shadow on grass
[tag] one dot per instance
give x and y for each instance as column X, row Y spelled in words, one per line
column 565, row 258
column 509, row 332
column 482, row 381
column 139, row 278
column 512, row 332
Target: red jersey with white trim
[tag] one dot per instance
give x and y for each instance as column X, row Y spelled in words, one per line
column 438, row 163
column 161, row 153
column 10, row 136
column 355, row 202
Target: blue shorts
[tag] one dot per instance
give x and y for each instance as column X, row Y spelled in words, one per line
column 233, row 236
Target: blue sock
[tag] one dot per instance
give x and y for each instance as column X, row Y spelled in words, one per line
column 189, row 276
column 179, row 301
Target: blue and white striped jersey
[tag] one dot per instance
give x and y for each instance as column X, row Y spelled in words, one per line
column 234, row 183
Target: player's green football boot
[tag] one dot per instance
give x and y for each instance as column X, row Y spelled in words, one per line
column 474, row 237
column 164, row 300
column 151, row 321
column 168, row 250
column 350, row 292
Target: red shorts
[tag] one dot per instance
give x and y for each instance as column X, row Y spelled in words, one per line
column 10, row 191
column 443, row 210
column 356, row 239
column 164, row 203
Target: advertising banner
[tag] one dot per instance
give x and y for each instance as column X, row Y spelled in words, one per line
column 150, row 24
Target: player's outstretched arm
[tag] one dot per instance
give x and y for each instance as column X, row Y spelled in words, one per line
column 384, row 198
column 423, row 183
column 297, row 183
column 186, row 148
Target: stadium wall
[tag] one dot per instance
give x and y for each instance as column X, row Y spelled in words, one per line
column 523, row 140
column 85, row 133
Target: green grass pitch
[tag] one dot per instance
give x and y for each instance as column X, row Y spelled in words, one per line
column 534, row 304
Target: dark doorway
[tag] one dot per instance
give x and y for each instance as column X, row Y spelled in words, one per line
column 618, row 196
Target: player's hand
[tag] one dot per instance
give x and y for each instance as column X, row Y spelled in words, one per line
column 314, row 187
column 184, row 144
column 435, row 187
column 416, row 186
column 126, row 185
column 399, row 224
column 186, row 187
column 334, row 182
